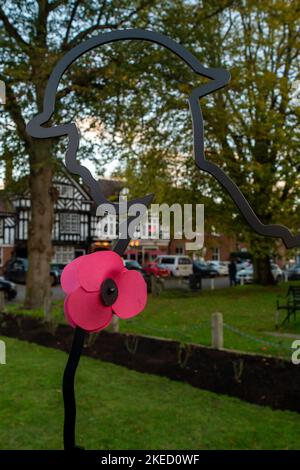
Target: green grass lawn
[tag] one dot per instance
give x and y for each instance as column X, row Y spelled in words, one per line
column 123, row 409
column 186, row 317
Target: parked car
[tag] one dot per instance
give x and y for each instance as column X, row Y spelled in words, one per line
column 16, row 269
column 178, row 265
column 133, row 264
column 9, row 288
column 156, row 269
column 204, row 269
column 243, row 264
column 277, row 272
column 57, row 269
column 247, row 274
column 294, row 272
column 220, row 267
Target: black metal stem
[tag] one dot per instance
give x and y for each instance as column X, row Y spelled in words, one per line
column 68, row 389
column 119, row 247
column 70, row 371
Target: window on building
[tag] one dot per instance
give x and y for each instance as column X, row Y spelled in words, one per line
column 65, row 190
column 179, row 250
column 216, row 253
column 63, row 254
column 69, row 223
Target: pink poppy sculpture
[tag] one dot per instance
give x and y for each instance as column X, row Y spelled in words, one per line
column 98, row 286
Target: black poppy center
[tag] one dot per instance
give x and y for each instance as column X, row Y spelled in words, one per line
column 108, row 292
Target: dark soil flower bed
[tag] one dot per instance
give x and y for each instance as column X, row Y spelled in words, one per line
column 258, row 379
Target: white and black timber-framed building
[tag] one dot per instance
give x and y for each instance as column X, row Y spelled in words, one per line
column 7, row 229
column 71, row 233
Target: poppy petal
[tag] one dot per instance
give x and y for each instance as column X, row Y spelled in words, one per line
column 97, row 267
column 69, row 277
column 86, row 310
column 132, row 295
column 69, row 319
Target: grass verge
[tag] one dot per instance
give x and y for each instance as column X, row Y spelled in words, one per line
column 123, row 409
column 186, row 317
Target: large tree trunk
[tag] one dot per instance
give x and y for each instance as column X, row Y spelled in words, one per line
column 38, row 293
column 262, row 271
column 261, row 248
column 8, row 175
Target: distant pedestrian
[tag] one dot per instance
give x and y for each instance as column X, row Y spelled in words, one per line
column 232, row 273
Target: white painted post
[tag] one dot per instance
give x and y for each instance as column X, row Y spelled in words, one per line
column 2, row 301
column 115, row 324
column 2, row 352
column 286, row 277
column 217, row 337
column 242, row 280
column 212, row 283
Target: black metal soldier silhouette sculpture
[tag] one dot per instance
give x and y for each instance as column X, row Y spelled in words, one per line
column 218, row 79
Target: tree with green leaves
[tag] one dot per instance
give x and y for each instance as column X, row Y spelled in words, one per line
column 34, row 35
column 138, row 93
column 251, row 127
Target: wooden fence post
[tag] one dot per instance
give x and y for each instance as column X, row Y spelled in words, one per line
column 217, row 338
column 115, row 324
column 2, row 352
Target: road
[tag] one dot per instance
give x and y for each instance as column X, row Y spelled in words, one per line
column 216, row 283
column 57, row 292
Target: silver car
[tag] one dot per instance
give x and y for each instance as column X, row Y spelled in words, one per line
column 246, row 275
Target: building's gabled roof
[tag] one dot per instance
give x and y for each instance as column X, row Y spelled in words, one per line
column 75, row 183
column 22, row 188
column 110, row 188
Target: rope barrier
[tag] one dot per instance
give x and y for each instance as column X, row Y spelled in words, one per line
column 253, row 338
column 185, row 336
column 163, row 331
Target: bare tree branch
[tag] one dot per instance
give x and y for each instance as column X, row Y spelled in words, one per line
column 14, row 110
column 56, row 4
column 80, row 36
column 230, row 3
column 12, row 32
column 83, row 34
column 70, row 22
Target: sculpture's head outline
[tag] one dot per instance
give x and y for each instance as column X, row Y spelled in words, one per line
column 219, row 78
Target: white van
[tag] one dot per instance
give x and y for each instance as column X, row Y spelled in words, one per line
column 178, row 265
